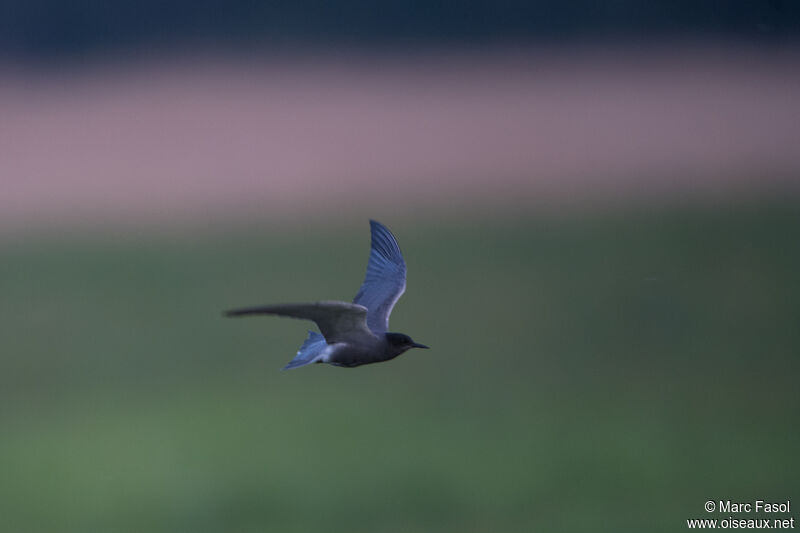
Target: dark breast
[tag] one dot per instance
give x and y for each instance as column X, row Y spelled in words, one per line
column 350, row 356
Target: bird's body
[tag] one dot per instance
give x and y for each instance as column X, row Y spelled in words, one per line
column 353, row 334
column 355, row 354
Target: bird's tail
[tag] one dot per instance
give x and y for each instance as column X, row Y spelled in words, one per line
column 309, row 352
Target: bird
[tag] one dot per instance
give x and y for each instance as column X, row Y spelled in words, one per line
column 353, row 334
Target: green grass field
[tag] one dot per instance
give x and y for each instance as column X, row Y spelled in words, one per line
column 587, row 373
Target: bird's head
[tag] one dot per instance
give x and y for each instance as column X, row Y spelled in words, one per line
column 400, row 342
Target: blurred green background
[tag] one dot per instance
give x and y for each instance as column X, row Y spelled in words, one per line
column 597, row 202
column 589, row 371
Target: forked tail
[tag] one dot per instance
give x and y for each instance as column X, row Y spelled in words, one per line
column 311, row 351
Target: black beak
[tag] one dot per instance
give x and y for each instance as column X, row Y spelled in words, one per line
column 418, row 345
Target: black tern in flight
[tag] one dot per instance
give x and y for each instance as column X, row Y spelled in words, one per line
column 353, row 334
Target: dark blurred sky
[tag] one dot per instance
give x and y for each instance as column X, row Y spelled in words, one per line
column 51, row 29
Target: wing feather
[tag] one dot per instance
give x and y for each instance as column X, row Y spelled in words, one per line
column 385, row 280
column 338, row 321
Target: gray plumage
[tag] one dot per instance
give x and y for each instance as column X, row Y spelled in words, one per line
column 355, row 333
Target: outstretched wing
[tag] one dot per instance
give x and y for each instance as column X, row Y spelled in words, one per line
column 385, row 281
column 338, row 321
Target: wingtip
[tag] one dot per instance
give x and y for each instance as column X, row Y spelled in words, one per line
column 373, row 224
